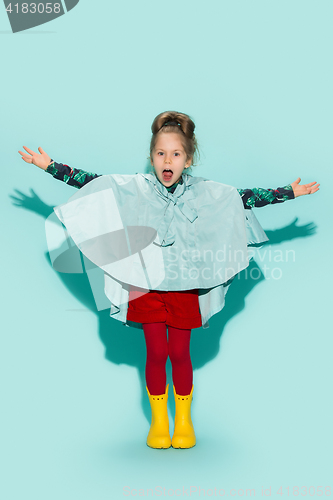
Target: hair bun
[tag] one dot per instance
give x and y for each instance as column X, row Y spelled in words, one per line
column 171, row 123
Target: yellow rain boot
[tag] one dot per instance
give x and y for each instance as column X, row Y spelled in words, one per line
column 159, row 436
column 183, row 436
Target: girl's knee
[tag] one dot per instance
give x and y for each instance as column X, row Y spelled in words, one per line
column 158, row 356
column 179, row 354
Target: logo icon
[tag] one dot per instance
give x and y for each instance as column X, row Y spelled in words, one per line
column 25, row 15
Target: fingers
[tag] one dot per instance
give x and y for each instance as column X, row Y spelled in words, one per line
column 29, row 150
column 314, row 189
column 25, row 157
column 313, row 186
column 297, row 181
column 42, row 152
column 24, row 154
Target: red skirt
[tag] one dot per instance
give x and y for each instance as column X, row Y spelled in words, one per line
column 177, row 309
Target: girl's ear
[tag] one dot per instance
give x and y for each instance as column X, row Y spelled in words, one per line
column 188, row 163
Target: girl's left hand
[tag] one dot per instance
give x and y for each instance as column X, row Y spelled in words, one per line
column 310, row 188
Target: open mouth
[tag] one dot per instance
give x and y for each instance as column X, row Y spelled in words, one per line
column 167, row 174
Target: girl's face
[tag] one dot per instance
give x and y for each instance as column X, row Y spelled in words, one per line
column 169, row 158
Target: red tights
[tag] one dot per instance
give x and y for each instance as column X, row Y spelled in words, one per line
column 159, row 347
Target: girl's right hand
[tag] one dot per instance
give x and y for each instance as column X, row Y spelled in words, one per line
column 41, row 160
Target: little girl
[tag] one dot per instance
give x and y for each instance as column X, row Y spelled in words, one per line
column 179, row 226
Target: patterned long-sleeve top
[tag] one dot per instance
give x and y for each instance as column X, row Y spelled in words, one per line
column 255, row 197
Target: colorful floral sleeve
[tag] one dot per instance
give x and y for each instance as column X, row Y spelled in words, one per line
column 72, row 176
column 259, row 197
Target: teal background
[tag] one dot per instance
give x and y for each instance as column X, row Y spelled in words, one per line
column 256, row 77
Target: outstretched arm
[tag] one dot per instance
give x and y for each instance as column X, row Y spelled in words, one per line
column 259, row 197
column 73, row 177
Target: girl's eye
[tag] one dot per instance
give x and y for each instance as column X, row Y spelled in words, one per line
column 160, row 153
